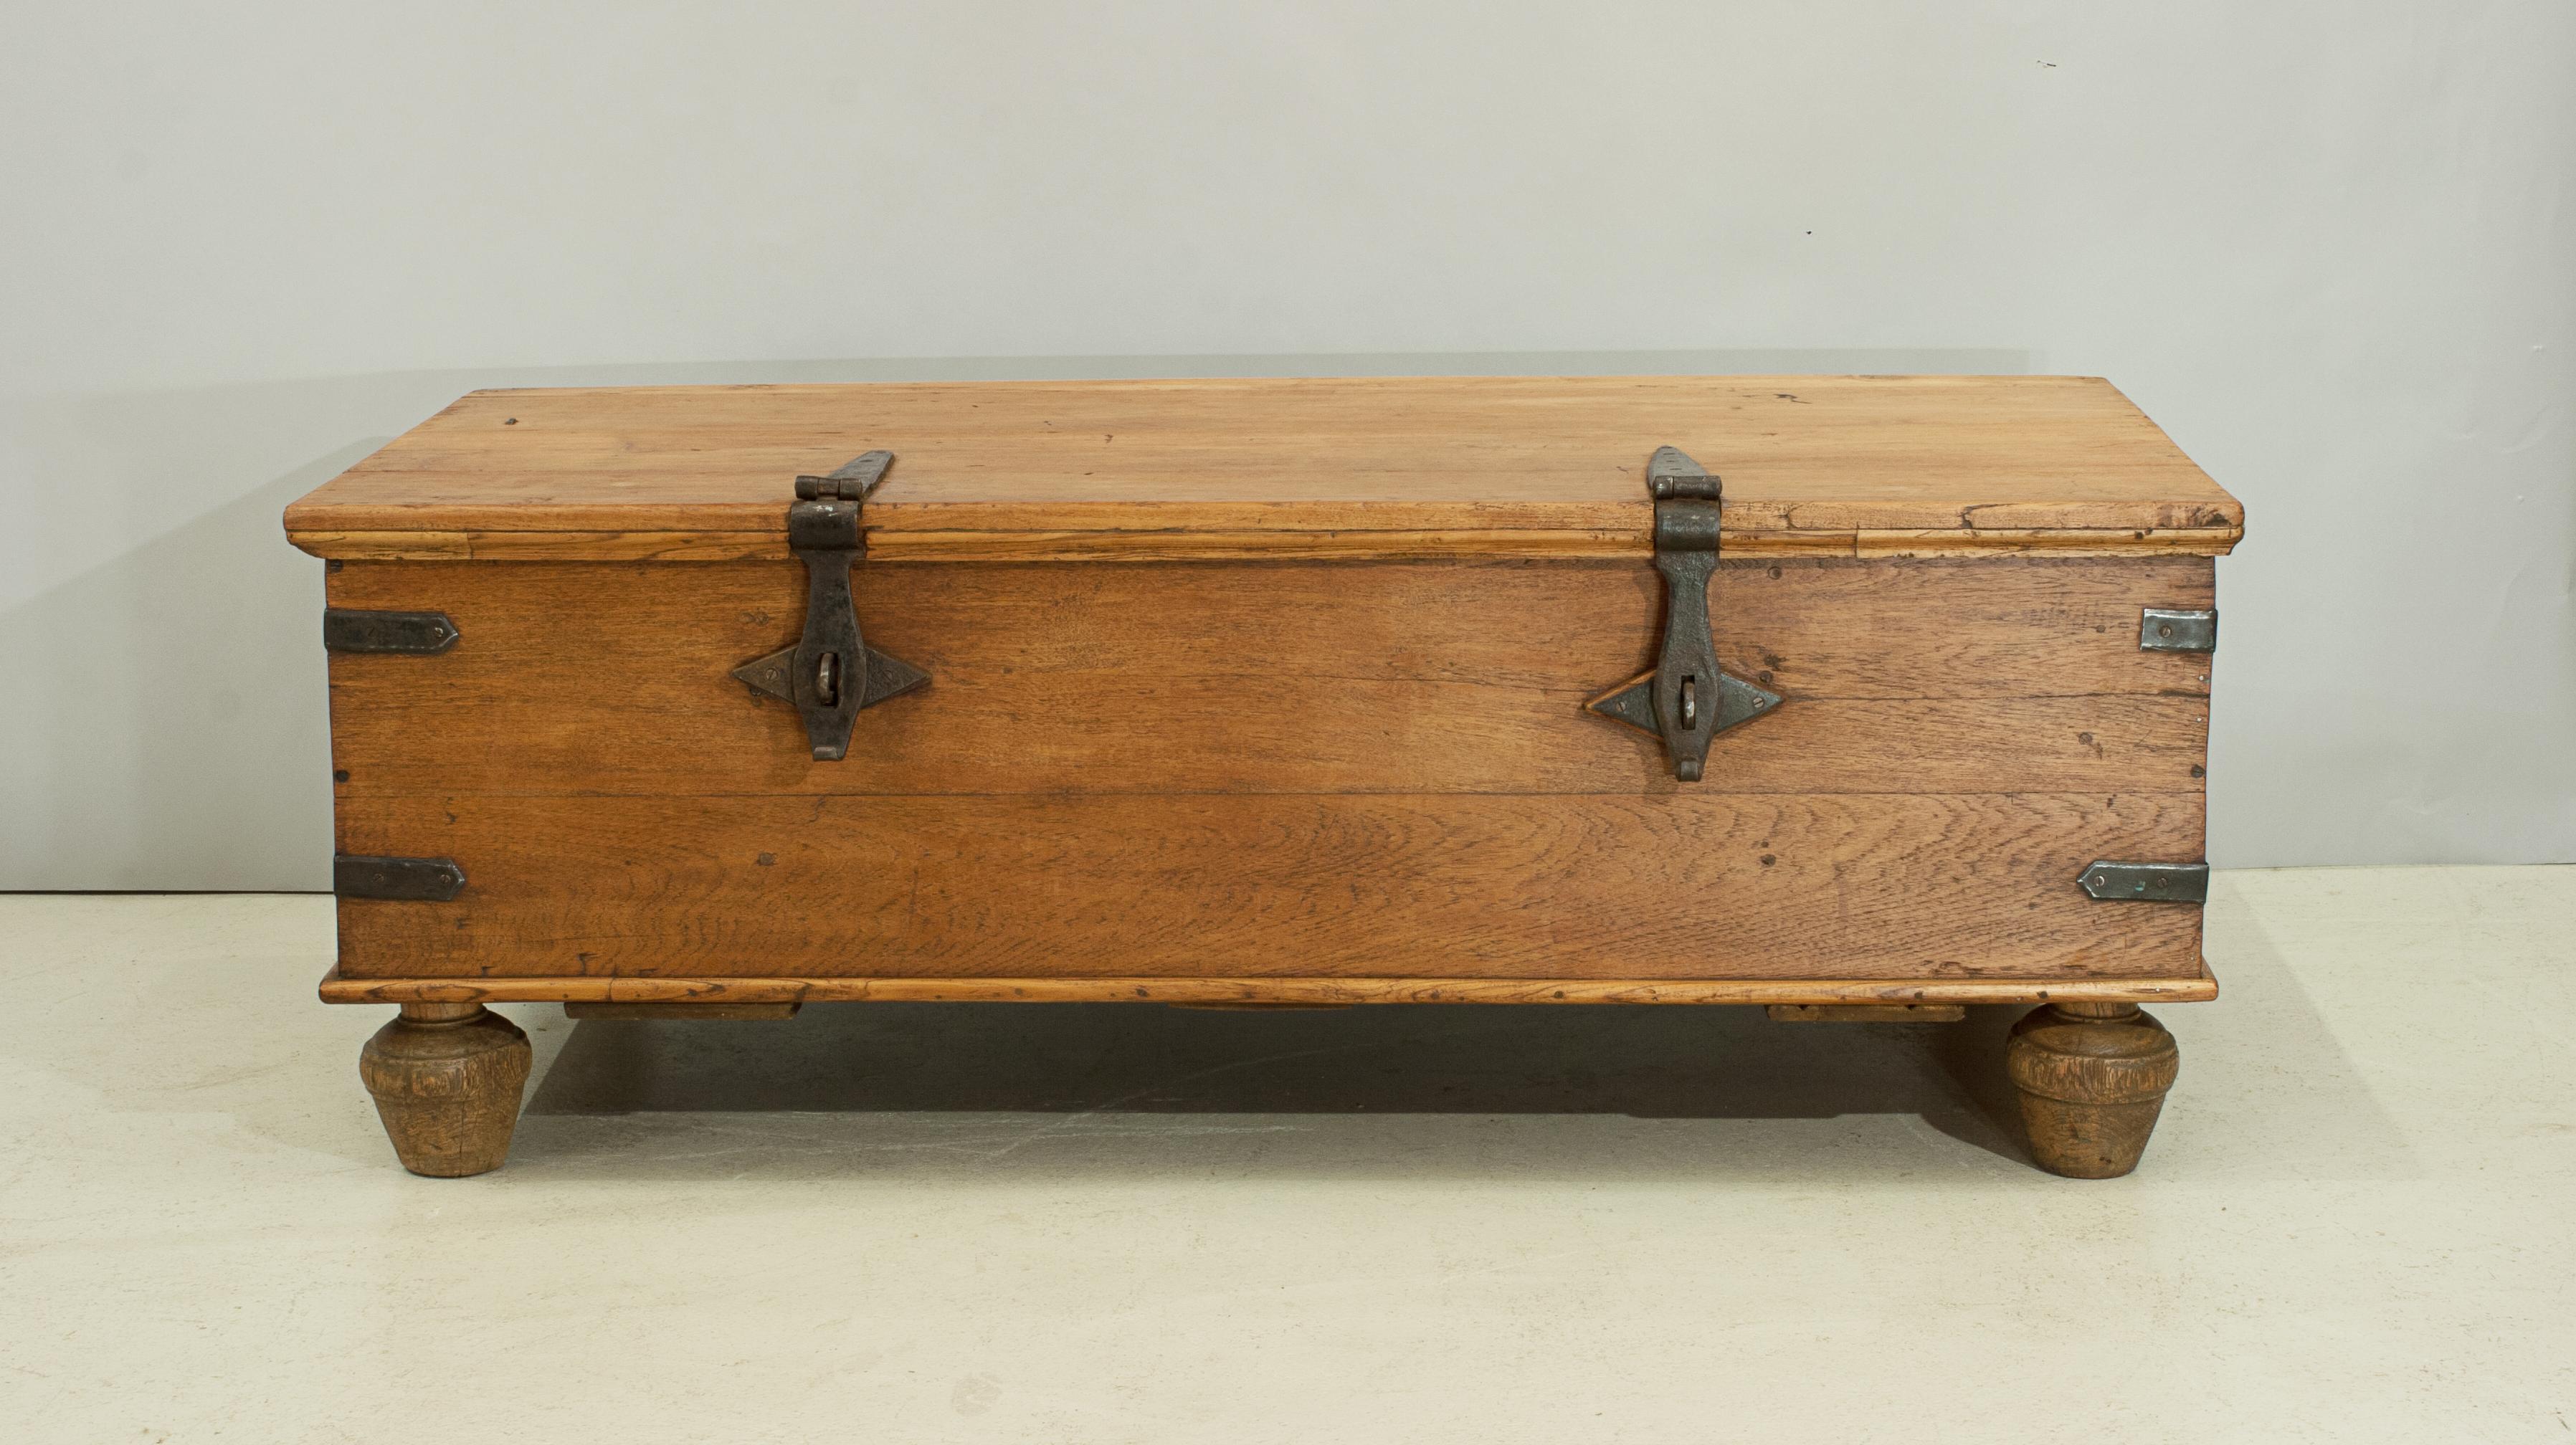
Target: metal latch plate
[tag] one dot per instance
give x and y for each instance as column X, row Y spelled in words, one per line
column 886, row 676
column 1633, row 702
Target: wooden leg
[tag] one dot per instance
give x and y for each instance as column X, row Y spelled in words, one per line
column 2092, row 1078
column 447, row 1078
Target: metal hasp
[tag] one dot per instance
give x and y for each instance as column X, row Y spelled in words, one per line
column 2165, row 629
column 1686, row 699
column 2112, row 882
column 408, row 880
column 419, row 634
column 817, row 673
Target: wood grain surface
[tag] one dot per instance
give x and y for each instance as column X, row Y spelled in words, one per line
column 1184, row 545
column 2185, row 988
column 1951, row 677
column 1698, row 884
column 1325, row 467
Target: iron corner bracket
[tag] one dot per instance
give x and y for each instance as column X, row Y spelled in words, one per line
column 2107, row 881
column 1686, row 699
column 2175, row 629
column 413, row 634
column 406, row 880
column 831, row 674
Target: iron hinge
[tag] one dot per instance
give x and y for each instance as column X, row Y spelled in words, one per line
column 410, row 880
column 1685, row 699
column 2168, row 629
column 419, row 634
column 2111, row 882
column 817, row 674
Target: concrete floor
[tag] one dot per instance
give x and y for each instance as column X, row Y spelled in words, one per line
column 1113, row 1223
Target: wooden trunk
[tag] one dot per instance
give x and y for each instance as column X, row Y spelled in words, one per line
column 1274, row 691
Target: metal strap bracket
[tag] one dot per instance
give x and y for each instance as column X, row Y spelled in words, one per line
column 1686, row 699
column 831, row 673
column 408, row 880
column 417, row 634
column 2112, row 882
column 2173, row 629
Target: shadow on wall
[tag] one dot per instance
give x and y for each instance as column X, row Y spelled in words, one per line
column 163, row 725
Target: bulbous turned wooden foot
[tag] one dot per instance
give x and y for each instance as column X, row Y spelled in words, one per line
column 2092, row 1078
column 447, row 1078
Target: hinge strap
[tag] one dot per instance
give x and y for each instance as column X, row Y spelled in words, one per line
column 1687, row 502
column 823, row 531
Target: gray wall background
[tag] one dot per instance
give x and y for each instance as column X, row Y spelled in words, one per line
column 2330, row 247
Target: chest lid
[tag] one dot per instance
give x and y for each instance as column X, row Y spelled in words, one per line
column 1341, row 467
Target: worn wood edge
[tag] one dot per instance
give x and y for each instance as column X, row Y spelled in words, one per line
column 1865, row 1013
column 422, row 546
column 2053, row 541
column 338, row 988
column 1290, row 544
column 726, row 1009
column 1148, row 545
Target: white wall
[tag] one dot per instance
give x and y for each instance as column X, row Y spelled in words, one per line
column 2331, row 247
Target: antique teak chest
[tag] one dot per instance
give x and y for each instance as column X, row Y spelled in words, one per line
column 1855, row 697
